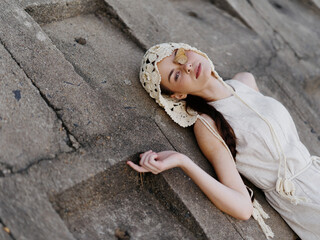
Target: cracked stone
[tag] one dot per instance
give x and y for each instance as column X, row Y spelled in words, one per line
column 74, row 142
column 29, row 128
column 83, row 87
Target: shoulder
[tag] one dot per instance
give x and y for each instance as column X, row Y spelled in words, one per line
column 203, row 135
column 248, row 79
column 200, row 128
column 214, row 150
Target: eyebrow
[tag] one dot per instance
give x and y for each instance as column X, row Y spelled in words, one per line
column 170, row 75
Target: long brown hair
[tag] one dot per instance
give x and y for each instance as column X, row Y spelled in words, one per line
column 201, row 106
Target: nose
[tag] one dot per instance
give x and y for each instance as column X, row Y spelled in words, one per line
column 187, row 67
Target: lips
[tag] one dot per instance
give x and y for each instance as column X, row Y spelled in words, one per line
column 198, row 70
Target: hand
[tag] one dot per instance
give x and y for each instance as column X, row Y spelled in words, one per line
column 157, row 162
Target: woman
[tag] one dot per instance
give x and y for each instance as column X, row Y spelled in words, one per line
column 239, row 130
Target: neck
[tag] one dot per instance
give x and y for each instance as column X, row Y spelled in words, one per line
column 214, row 90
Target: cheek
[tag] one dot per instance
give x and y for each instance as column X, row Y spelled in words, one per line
column 208, row 69
column 185, row 81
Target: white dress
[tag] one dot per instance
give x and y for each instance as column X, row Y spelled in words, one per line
column 258, row 160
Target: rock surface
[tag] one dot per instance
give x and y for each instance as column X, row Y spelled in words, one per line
column 72, row 112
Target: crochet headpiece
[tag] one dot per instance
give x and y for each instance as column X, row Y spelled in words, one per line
column 150, row 79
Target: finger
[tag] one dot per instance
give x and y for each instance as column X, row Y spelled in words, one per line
column 153, row 161
column 147, row 163
column 136, row 167
column 144, row 162
column 143, row 157
column 156, row 164
column 141, row 154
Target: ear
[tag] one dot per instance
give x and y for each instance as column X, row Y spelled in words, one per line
column 179, row 96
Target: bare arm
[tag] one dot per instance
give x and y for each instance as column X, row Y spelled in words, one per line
column 228, row 200
column 229, row 195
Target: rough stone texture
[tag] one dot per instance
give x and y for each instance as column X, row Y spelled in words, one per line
column 55, row 10
column 23, row 207
column 284, row 27
column 3, row 234
column 289, row 22
column 73, row 99
column 90, row 88
column 94, row 209
column 315, row 3
column 29, row 128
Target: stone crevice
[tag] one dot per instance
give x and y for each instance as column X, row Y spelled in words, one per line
column 109, row 12
column 273, row 56
column 236, row 228
column 9, row 233
column 163, row 133
column 256, row 66
column 32, row 163
column 69, row 142
column 294, row 105
column 78, row 70
column 275, row 31
column 288, row 44
column 226, row 7
column 37, row 161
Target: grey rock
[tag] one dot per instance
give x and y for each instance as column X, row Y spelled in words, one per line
column 115, row 199
column 91, row 89
column 74, row 100
column 29, row 128
column 48, row 11
column 4, row 234
column 27, row 212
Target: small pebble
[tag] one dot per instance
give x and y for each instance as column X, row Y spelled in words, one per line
column 193, row 14
column 7, row 230
column 122, row 235
column 128, row 82
column 80, row 40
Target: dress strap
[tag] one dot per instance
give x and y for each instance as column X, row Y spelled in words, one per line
column 215, row 133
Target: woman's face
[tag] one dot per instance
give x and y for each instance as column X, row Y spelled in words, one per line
column 183, row 79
